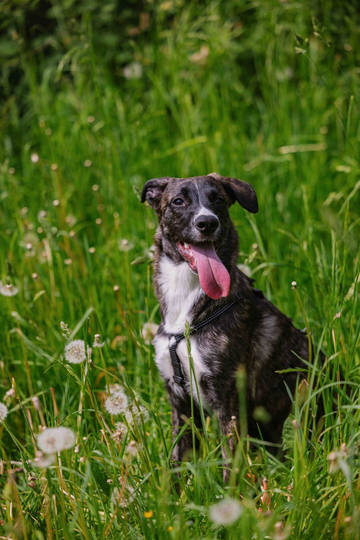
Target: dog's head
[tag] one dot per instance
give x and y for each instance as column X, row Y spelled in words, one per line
column 194, row 217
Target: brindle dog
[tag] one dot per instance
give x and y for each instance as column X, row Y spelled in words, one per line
column 195, row 273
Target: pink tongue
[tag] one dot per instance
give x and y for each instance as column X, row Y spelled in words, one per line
column 214, row 278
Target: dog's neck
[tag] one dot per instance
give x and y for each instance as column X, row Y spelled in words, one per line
column 178, row 288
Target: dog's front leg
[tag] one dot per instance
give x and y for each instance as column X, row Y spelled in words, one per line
column 181, row 412
column 227, row 428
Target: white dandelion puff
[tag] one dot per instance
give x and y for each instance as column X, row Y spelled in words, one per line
column 132, row 449
column 125, row 245
column 75, row 351
column 122, row 497
column 129, row 415
column 138, row 411
column 120, row 433
column 133, row 71
column 3, row 412
column 56, row 439
column 148, row 332
column 245, row 269
column 226, row 512
column 8, row 289
column 115, row 388
column 116, row 403
column 43, row 461
column 97, row 343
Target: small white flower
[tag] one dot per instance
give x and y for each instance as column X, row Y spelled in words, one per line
column 75, row 351
column 8, row 289
column 116, row 403
column 148, row 332
column 133, row 71
column 56, row 439
column 3, row 412
column 226, row 512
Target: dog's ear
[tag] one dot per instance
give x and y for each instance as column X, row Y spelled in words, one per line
column 240, row 191
column 153, row 190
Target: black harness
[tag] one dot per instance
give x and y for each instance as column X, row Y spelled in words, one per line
column 175, row 360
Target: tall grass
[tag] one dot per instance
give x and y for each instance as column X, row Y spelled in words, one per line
column 269, row 97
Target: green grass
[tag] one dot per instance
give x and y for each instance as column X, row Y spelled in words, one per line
column 279, row 111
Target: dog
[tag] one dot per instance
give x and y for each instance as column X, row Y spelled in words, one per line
column 196, row 279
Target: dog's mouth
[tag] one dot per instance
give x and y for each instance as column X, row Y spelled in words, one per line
column 203, row 259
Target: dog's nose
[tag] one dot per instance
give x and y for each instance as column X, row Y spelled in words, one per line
column 207, row 224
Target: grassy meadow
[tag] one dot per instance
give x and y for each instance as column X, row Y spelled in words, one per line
column 263, row 91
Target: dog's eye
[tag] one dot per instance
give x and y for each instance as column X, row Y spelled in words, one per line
column 219, row 200
column 178, row 202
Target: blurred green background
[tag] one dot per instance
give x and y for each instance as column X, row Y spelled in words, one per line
column 99, row 96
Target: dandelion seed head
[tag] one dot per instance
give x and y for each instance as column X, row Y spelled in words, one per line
column 10, row 393
column 53, row 440
column 34, row 158
column 36, row 402
column 54, row 167
column 133, row 71
column 148, row 332
column 56, row 202
column 75, row 351
column 92, row 250
column 95, row 187
column 115, row 388
column 245, row 269
column 122, row 497
column 11, row 170
column 294, row 285
column 43, row 461
column 87, row 163
column 226, row 512
column 125, row 245
column 97, row 344
column 116, row 288
column 8, row 289
column 132, row 449
column 3, row 412
column 120, row 432
column 116, row 403
column 91, row 119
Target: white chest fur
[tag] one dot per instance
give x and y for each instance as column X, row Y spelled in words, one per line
column 181, row 291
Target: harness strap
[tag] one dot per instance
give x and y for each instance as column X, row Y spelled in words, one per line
column 175, row 360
